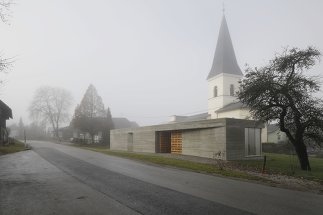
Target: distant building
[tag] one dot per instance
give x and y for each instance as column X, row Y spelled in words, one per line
column 122, row 122
column 67, row 133
column 5, row 114
column 275, row 135
column 226, row 131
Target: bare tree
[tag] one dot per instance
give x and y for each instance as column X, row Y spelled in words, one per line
column 51, row 105
column 280, row 91
column 4, row 10
column 4, row 14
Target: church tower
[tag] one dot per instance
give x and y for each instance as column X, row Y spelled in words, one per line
column 225, row 73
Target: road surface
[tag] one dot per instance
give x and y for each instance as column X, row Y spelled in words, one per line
column 59, row 179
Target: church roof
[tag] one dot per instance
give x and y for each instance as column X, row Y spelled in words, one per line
column 196, row 117
column 224, row 60
column 232, row 106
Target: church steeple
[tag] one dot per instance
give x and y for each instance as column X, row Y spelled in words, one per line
column 223, row 79
column 224, row 60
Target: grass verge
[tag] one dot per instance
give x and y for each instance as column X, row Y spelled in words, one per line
column 17, row 146
column 285, row 165
column 172, row 162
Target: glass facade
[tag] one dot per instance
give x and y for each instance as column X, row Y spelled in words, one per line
column 252, row 141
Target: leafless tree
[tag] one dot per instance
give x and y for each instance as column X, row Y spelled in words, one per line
column 282, row 92
column 51, row 104
column 4, row 10
column 4, row 14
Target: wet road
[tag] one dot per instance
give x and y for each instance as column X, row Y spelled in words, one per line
column 58, row 179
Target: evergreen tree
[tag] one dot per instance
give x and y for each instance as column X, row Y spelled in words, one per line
column 91, row 117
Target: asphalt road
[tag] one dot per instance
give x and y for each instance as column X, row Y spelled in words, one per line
column 59, row 179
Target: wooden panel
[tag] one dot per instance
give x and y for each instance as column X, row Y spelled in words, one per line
column 176, row 142
column 164, row 142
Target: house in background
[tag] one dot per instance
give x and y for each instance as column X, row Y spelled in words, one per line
column 225, row 132
column 275, row 135
column 70, row 133
column 121, row 122
column 5, row 114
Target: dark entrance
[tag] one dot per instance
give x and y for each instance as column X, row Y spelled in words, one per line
column 169, row 142
column 163, row 142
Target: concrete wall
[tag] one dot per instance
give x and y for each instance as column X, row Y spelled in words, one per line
column 244, row 114
column 143, row 139
column 235, row 139
column 208, row 142
column 217, row 138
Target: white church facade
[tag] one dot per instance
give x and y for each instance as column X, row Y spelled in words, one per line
column 226, row 131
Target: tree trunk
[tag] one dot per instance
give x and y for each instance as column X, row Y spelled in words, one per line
column 301, row 151
column 92, row 138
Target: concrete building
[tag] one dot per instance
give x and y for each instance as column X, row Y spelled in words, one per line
column 226, row 131
column 226, row 139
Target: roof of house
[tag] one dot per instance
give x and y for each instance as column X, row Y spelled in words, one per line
column 5, row 111
column 224, row 60
column 232, row 106
column 272, row 128
column 196, row 117
column 122, row 122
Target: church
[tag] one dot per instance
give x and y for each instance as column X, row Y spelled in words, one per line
column 223, row 84
column 225, row 132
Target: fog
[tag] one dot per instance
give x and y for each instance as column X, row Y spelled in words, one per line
column 147, row 59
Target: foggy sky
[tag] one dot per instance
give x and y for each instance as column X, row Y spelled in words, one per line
column 148, row 59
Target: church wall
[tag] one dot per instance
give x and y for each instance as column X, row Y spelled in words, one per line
column 223, row 82
column 215, row 103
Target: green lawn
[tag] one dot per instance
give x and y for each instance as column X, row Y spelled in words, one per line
column 12, row 148
column 276, row 164
column 184, row 164
column 286, row 165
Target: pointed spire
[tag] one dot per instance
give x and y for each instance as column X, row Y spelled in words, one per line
column 224, row 60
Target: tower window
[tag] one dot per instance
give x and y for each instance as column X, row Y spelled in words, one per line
column 231, row 90
column 215, row 91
